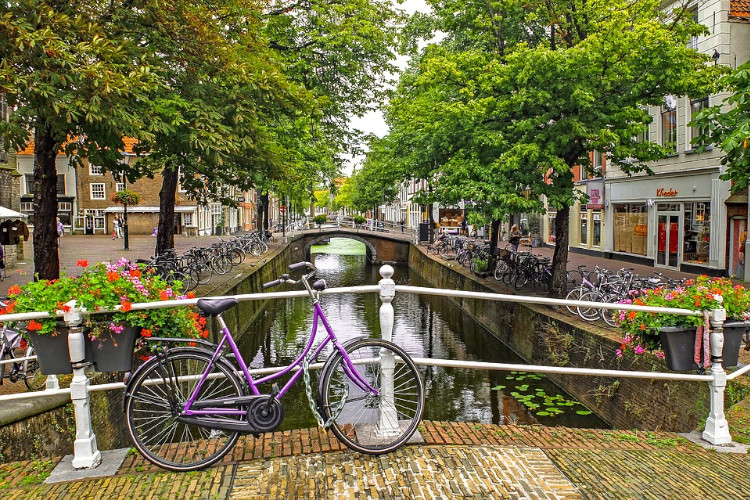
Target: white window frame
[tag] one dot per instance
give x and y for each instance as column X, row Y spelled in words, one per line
column 104, row 190
column 95, row 170
column 119, row 186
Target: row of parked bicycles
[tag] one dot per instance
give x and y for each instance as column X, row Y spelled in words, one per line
column 199, row 264
column 521, row 269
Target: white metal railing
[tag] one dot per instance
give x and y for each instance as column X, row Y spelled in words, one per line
column 87, row 456
column 306, row 224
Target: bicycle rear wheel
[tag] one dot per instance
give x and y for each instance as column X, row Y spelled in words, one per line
column 155, row 399
column 370, row 423
column 33, row 376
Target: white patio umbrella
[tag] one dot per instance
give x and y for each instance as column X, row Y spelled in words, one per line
column 7, row 213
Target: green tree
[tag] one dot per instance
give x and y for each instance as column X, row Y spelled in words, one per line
column 730, row 129
column 75, row 79
column 514, row 109
column 341, row 52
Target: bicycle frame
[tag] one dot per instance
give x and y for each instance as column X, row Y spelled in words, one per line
column 295, row 366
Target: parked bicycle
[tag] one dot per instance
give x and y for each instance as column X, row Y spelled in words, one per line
column 12, row 346
column 186, row 406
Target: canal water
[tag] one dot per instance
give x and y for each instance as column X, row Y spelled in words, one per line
column 426, row 326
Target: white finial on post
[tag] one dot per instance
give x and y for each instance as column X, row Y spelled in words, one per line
column 717, row 428
column 85, row 452
column 388, row 419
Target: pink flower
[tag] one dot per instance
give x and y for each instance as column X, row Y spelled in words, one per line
column 638, row 349
column 618, row 352
column 660, row 355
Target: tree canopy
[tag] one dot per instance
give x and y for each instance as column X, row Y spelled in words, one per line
column 519, row 92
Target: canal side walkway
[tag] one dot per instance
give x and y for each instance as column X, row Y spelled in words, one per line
column 457, row 460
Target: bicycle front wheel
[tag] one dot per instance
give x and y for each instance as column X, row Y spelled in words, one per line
column 366, row 422
column 156, row 398
column 33, row 376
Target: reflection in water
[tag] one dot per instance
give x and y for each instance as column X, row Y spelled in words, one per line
column 425, row 326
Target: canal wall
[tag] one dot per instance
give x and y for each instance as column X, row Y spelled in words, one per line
column 544, row 336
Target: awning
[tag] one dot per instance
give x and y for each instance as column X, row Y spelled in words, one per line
column 7, row 213
column 132, row 209
column 736, row 199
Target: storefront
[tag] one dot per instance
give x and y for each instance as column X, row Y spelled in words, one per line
column 667, row 221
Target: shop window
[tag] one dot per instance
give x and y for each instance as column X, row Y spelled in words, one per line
column 584, row 228
column 596, row 220
column 697, row 232
column 630, row 228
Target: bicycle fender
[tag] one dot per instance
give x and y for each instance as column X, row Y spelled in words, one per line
column 129, row 379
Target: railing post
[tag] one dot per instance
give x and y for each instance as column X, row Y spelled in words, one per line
column 388, row 418
column 85, row 452
column 717, row 428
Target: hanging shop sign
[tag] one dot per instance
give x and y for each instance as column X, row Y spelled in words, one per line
column 595, row 190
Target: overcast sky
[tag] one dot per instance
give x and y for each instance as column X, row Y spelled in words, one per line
column 373, row 122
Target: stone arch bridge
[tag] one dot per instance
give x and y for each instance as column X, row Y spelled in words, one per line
column 382, row 247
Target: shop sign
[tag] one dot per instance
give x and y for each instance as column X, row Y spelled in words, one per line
column 666, row 193
column 595, row 190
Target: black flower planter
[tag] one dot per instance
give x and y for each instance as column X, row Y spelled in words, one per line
column 52, row 351
column 113, row 352
column 678, row 344
column 733, row 332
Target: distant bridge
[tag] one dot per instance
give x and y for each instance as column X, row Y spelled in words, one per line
column 381, row 246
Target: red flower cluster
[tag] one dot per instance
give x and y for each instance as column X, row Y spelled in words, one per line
column 82, row 263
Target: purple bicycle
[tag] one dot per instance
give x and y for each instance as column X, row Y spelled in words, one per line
column 187, row 405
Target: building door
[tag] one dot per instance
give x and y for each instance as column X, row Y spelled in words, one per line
column 668, row 240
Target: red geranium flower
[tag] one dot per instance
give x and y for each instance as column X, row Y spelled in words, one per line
column 82, row 263
column 126, row 306
column 112, row 276
column 33, row 326
column 14, row 290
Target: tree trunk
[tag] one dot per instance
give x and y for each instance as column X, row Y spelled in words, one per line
column 46, row 250
column 494, row 233
column 165, row 233
column 264, row 220
column 560, row 259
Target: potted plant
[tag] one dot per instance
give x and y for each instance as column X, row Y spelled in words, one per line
column 359, row 220
column 110, row 337
column 674, row 337
column 479, row 266
column 320, row 219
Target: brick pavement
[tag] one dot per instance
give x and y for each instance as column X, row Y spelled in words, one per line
column 458, row 460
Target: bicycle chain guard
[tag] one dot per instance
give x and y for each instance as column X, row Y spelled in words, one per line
column 265, row 414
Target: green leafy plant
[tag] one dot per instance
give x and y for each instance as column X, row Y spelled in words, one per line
column 359, row 220
column 702, row 294
column 108, row 286
column 320, row 219
column 480, row 265
column 126, row 197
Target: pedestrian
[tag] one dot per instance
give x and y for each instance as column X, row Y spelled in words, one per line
column 464, row 227
column 116, row 228
column 403, row 224
column 60, row 230
column 515, row 237
column 739, row 270
column 2, row 263
column 120, row 226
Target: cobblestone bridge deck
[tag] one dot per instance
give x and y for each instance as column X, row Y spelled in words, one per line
column 458, row 460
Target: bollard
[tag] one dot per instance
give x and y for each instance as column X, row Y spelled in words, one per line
column 388, row 418
column 85, row 452
column 717, row 428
